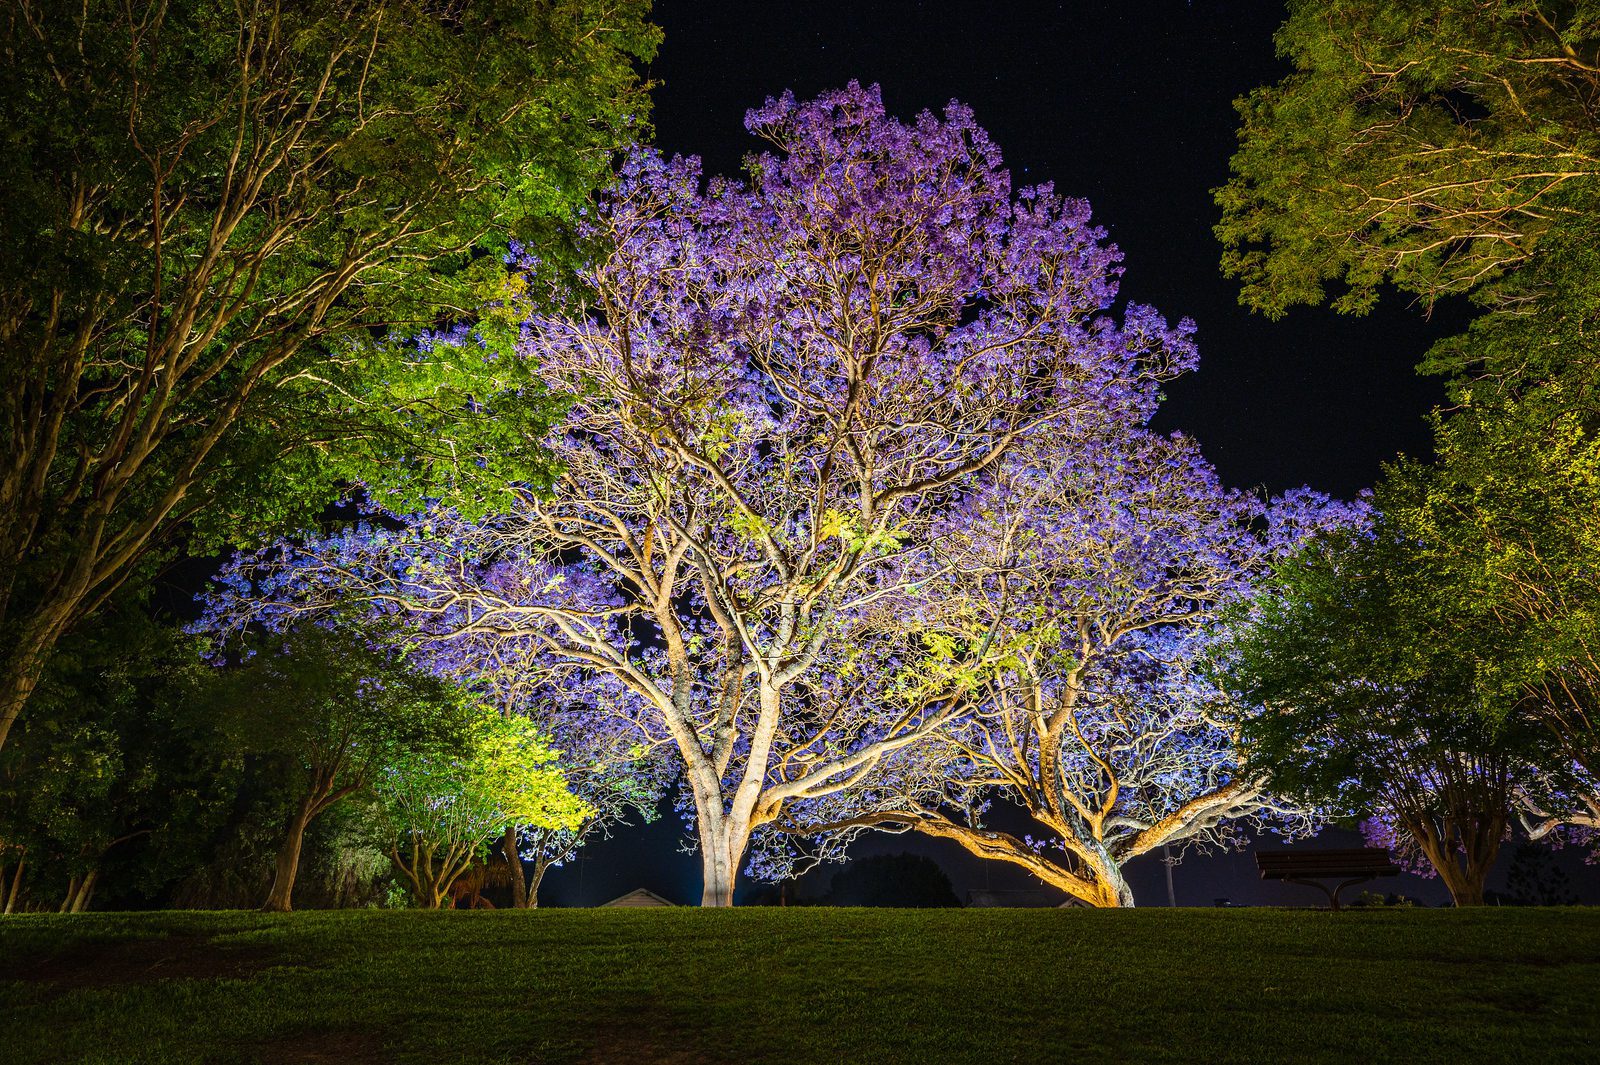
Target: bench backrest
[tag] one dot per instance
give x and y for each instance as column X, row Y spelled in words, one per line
column 1350, row 861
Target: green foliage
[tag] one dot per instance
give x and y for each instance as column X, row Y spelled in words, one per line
column 1358, row 700
column 333, row 707
column 443, row 810
column 505, row 776
column 1503, row 536
column 1432, row 145
column 1542, row 342
column 1454, row 148
column 220, row 222
column 1354, row 700
column 114, row 777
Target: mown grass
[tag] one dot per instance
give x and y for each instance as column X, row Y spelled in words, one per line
column 803, row 985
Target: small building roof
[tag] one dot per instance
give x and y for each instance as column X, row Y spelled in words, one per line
column 638, row 897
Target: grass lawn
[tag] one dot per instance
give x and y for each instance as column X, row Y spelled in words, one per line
column 627, row 987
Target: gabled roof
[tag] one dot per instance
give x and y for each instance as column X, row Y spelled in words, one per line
column 638, row 897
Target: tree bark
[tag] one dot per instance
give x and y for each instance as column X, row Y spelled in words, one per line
column 72, row 893
column 288, row 864
column 541, row 866
column 1114, row 890
column 80, row 902
column 519, row 885
column 16, row 884
column 23, row 667
column 1465, row 877
column 722, row 844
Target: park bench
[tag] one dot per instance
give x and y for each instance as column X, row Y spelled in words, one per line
column 1355, row 865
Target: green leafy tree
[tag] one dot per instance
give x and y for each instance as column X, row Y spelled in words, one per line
column 1355, row 706
column 444, row 811
column 214, row 212
column 1503, row 536
column 1454, row 147
column 1432, row 144
column 335, row 708
column 117, row 779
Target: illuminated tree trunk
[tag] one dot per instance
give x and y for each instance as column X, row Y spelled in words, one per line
column 288, row 863
column 1462, row 859
column 722, row 844
column 723, row 837
column 1113, row 889
column 521, row 897
column 24, row 665
column 540, row 867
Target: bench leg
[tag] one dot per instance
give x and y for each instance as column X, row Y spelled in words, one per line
column 1332, row 893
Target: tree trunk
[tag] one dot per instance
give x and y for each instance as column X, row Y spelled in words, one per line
column 16, row 884
column 722, row 844
column 20, row 675
column 1114, row 890
column 1463, row 864
column 80, row 901
column 541, row 866
column 288, row 864
column 72, row 893
column 519, row 885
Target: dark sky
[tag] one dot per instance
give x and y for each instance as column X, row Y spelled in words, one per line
column 1129, row 105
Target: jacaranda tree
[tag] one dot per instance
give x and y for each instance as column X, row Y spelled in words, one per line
column 1087, row 575
column 780, row 389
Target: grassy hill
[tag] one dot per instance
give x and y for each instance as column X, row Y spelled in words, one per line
column 930, row 987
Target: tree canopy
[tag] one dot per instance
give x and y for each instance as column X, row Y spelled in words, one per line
column 801, row 408
column 1431, row 145
column 216, row 214
column 443, row 809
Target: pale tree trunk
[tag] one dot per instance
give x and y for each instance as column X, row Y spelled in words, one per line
column 80, row 902
column 23, row 666
column 288, row 863
column 720, row 868
column 723, row 838
column 72, row 893
column 541, row 866
column 79, row 889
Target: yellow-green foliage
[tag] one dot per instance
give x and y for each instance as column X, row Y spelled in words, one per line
column 507, row 774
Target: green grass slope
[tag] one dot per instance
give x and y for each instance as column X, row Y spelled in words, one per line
column 927, row 987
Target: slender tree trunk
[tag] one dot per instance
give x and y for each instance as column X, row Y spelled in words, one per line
column 288, row 864
column 72, row 893
column 541, row 866
column 80, row 902
column 519, row 885
column 16, row 884
column 20, row 673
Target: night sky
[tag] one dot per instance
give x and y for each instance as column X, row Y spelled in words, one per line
column 1130, row 106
